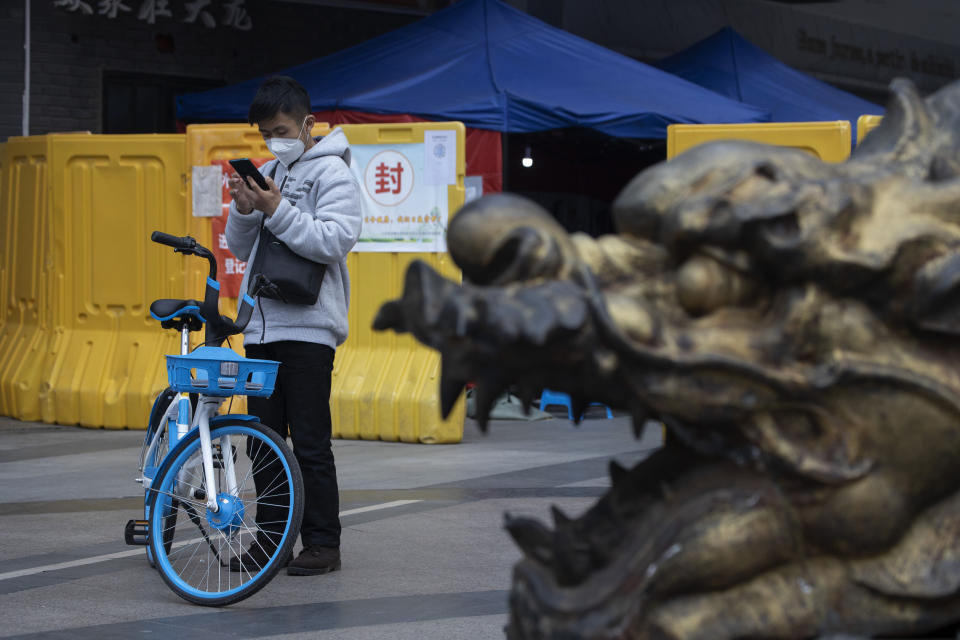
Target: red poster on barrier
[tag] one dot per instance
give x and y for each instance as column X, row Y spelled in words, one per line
column 229, row 268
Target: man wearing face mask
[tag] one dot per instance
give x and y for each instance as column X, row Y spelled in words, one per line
column 313, row 206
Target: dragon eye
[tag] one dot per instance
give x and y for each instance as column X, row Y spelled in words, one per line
column 705, row 284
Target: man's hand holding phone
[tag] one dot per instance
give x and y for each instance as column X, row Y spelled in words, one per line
column 241, row 194
column 248, row 194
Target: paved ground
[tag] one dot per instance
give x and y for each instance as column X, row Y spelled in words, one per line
column 424, row 551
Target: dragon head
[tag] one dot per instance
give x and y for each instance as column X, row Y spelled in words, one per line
column 795, row 326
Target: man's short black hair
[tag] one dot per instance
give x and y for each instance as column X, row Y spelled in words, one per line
column 279, row 94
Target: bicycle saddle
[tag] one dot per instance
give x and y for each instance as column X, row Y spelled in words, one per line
column 168, row 309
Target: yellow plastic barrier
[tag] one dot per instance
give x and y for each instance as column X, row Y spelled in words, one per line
column 77, row 275
column 385, row 387
column 79, row 346
column 866, row 124
column 25, row 329
column 829, row 141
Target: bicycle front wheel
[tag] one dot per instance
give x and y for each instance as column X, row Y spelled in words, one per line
column 193, row 546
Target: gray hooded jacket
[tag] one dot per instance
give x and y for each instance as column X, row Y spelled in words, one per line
column 319, row 218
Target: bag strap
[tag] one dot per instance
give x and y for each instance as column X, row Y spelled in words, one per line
column 273, row 172
column 258, row 286
column 273, row 176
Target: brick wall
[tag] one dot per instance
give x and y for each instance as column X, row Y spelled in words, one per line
column 11, row 73
column 70, row 51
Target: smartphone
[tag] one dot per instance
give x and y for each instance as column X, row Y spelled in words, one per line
column 247, row 169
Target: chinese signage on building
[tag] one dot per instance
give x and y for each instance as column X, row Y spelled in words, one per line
column 227, row 13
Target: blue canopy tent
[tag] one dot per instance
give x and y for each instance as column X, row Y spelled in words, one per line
column 491, row 67
column 498, row 71
column 731, row 65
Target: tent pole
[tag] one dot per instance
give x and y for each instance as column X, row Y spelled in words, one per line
column 26, row 69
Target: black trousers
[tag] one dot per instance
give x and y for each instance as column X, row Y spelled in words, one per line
column 300, row 408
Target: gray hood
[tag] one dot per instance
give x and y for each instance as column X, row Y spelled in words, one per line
column 333, row 144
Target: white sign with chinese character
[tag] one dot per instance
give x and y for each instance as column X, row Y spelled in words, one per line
column 388, row 178
column 401, row 211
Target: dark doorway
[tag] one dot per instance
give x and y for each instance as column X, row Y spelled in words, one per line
column 576, row 173
column 145, row 103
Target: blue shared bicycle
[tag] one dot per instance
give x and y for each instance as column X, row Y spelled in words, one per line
column 223, row 494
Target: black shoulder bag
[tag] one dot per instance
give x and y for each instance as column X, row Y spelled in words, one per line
column 279, row 273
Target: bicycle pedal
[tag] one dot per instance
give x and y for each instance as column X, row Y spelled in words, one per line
column 137, row 532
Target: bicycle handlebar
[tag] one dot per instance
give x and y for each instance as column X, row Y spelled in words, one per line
column 176, row 242
column 218, row 327
column 188, row 245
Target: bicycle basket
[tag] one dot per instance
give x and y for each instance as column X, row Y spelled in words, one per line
column 218, row 371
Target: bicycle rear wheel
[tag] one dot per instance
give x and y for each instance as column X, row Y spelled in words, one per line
column 150, row 460
column 193, row 546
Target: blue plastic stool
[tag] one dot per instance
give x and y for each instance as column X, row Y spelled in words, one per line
column 548, row 397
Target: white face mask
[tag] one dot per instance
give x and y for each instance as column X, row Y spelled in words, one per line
column 287, row 150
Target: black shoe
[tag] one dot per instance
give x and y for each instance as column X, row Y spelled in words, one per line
column 315, row 560
column 256, row 557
